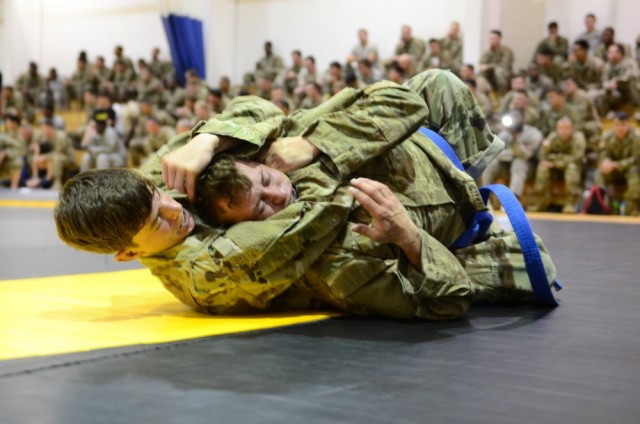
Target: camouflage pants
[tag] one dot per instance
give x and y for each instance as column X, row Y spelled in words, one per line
column 631, row 177
column 497, row 270
column 455, row 114
column 571, row 175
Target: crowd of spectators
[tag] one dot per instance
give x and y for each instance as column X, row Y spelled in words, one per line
column 550, row 114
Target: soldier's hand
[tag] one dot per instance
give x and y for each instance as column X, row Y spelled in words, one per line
column 391, row 222
column 181, row 168
column 290, row 153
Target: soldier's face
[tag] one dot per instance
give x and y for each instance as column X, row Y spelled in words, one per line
column 271, row 191
column 168, row 224
column 564, row 129
column 620, row 128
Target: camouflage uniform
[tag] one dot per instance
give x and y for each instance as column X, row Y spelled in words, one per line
column 625, row 73
column 414, row 48
column 517, row 161
column 550, row 117
column 270, row 65
column 104, row 150
column 538, row 88
column 580, row 102
column 153, row 143
column 151, row 89
column 62, row 155
column 15, row 150
column 452, row 49
column 587, row 74
column 306, row 255
column 553, row 72
column 559, row 47
column 500, row 61
column 567, row 157
column 626, row 153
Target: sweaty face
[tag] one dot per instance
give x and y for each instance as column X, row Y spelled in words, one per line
column 271, row 191
column 168, row 224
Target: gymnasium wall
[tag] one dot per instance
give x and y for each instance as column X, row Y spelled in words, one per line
column 52, row 32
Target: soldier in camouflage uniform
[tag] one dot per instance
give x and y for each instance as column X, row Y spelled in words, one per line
column 585, row 69
column 12, row 150
column 409, row 46
column 306, row 253
column 555, row 109
column 561, row 157
column 452, row 46
column 578, row 100
column 53, row 152
column 619, row 80
column 496, row 64
column 620, row 160
column 557, row 44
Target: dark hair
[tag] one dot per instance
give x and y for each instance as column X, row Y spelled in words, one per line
column 471, row 82
column 553, row 25
column 496, row 32
column 434, row 40
column 620, row 48
column 311, row 59
column 621, row 116
column 366, row 63
column 102, row 210
column 557, row 90
column 221, row 181
column 584, row 44
column 545, row 51
column 591, row 15
column 396, row 67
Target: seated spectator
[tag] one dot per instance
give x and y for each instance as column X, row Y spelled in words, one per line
column 55, row 91
column 561, row 158
column 619, row 161
column 148, row 86
column 362, row 50
column 159, row 68
column 556, row 108
column 122, row 78
column 202, row 111
column 49, row 113
column 82, row 79
column 101, row 73
column 173, row 95
column 518, row 161
column 592, row 36
column 216, row 101
column 225, row 88
column 619, row 81
column 608, row 40
column 30, row 85
column 270, row 64
column 558, row 45
column 195, row 86
column 409, row 46
column 585, row 69
column 548, row 68
column 12, row 151
column 157, row 135
column 452, row 47
column 483, row 101
column 367, row 73
column 119, row 56
column 104, row 148
column 331, row 77
column 53, row 155
column 520, row 101
column 496, row 64
column 12, row 99
column 396, row 73
column 579, row 101
column 265, row 83
column 468, row 71
column 518, row 84
column 434, row 59
column 313, row 96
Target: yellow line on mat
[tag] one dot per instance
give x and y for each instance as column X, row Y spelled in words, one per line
column 608, row 219
column 44, row 204
column 76, row 313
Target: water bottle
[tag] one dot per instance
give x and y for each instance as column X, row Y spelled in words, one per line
column 615, row 207
column 623, row 208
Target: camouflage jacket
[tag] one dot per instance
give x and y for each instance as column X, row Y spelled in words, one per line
column 562, row 153
column 625, row 152
column 307, row 253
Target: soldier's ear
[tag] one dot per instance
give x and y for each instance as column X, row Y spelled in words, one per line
column 126, row 255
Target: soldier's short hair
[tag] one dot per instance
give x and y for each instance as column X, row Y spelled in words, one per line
column 102, row 210
column 584, row 44
column 620, row 48
column 221, row 181
column 545, row 51
column 553, row 25
column 621, row 116
column 496, row 32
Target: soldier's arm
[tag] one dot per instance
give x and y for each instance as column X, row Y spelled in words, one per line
column 382, row 115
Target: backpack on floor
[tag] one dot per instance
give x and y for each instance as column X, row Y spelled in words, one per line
column 597, row 202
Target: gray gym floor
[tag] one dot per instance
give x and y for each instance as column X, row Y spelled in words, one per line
column 578, row 363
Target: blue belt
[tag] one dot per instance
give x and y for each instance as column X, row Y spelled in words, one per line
column 479, row 226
